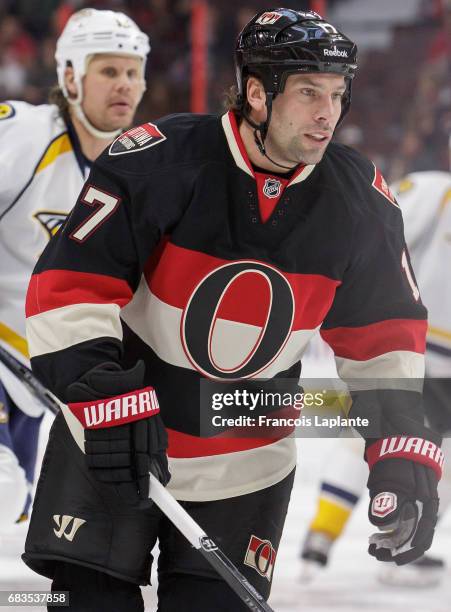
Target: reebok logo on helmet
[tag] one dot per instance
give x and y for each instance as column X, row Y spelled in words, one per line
column 335, row 52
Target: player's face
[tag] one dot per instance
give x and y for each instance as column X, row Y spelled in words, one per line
column 112, row 89
column 304, row 117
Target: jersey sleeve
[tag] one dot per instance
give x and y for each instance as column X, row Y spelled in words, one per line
column 22, row 142
column 90, row 271
column 377, row 323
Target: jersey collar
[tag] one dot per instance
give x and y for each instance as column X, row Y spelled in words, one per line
column 83, row 162
column 239, row 153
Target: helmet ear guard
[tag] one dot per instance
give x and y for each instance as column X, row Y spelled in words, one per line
column 278, row 43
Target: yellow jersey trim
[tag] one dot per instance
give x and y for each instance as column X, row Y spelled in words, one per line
column 59, row 146
column 17, row 342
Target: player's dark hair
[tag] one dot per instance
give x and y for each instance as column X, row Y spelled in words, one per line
column 57, row 97
column 233, row 100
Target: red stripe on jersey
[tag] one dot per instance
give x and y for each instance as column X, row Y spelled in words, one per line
column 280, row 424
column 57, row 288
column 180, row 270
column 361, row 343
column 184, row 446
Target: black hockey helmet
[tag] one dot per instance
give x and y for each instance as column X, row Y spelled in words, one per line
column 280, row 42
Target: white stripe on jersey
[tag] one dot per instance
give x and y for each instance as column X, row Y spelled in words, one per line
column 55, row 330
column 158, row 325
column 223, row 476
column 396, row 365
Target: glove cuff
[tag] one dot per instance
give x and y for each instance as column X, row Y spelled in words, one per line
column 407, row 447
column 116, row 410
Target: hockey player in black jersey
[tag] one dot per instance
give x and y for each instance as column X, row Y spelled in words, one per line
column 206, row 247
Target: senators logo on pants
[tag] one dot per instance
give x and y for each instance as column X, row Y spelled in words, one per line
column 261, row 556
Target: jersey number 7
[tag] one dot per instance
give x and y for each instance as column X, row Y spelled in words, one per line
column 106, row 205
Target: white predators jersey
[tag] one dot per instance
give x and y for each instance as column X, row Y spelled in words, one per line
column 425, row 200
column 41, row 174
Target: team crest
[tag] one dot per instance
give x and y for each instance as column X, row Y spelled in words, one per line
column 383, row 504
column 380, row 184
column 137, row 139
column 268, row 18
column 261, row 556
column 272, row 188
column 6, row 111
column 50, row 221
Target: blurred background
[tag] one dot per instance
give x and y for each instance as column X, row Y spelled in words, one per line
column 401, row 111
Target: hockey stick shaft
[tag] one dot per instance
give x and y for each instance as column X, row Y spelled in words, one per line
column 207, row 548
column 26, row 376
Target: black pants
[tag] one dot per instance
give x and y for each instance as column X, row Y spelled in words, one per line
column 91, row 543
column 92, row 591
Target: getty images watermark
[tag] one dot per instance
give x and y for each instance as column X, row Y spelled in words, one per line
column 276, row 409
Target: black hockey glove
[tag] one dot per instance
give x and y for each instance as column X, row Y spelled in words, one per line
column 125, row 438
column 404, row 473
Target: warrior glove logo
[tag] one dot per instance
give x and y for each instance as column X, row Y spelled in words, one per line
column 383, row 504
column 116, row 410
column 261, row 556
column 63, row 522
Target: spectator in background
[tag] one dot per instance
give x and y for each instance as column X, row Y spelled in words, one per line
column 17, row 50
column 424, row 145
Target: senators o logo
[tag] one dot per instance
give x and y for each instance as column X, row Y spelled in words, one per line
column 201, row 316
column 264, row 557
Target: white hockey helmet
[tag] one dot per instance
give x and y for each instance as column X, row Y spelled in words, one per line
column 89, row 32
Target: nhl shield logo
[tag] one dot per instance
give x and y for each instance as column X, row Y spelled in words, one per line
column 383, row 504
column 272, row 188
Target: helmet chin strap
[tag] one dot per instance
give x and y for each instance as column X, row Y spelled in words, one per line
column 261, row 130
column 76, row 105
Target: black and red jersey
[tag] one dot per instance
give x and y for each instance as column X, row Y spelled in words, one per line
column 178, row 254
